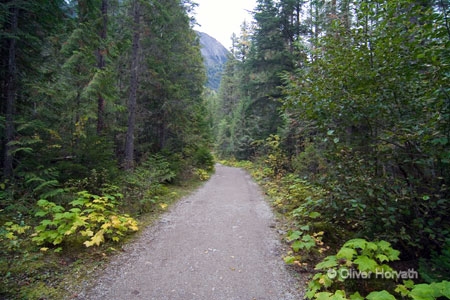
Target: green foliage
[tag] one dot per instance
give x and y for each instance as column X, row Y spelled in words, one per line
column 437, row 267
column 95, row 182
column 171, row 83
column 302, row 243
column 92, row 219
column 77, row 59
column 203, row 159
column 146, row 184
column 232, row 136
column 93, row 158
column 12, row 237
column 365, row 128
column 275, row 157
column 249, row 90
column 302, row 198
column 60, row 61
column 370, row 103
column 203, row 175
column 157, row 169
column 359, row 259
column 435, row 290
column 357, row 256
column 310, row 162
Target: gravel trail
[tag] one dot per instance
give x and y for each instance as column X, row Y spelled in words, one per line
column 218, row 243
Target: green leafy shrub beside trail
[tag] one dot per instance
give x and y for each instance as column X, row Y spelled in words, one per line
column 91, row 220
column 361, row 269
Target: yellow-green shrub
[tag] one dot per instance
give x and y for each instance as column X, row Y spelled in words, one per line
column 92, row 219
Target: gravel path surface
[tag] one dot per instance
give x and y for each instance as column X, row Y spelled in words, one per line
column 218, row 243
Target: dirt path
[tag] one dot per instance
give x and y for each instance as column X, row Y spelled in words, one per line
column 216, row 244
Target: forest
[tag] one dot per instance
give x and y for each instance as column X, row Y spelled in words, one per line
column 343, row 108
column 102, row 108
column 340, row 110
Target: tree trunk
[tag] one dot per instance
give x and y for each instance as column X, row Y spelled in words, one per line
column 11, row 92
column 346, row 14
column 333, row 10
column 129, row 143
column 101, row 65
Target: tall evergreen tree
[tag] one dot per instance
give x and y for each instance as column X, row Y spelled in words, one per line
column 134, row 73
column 10, row 85
column 101, row 62
column 174, row 70
column 25, row 26
column 65, row 111
column 269, row 55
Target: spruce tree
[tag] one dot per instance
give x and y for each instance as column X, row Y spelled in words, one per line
column 25, row 26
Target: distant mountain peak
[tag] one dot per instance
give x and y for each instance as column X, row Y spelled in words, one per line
column 215, row 56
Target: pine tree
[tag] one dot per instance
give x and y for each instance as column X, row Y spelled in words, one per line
column 25, row 27
column 101, row 63
column 269, row 55
column 10, row 84
column 175, row 71
column 134, row 71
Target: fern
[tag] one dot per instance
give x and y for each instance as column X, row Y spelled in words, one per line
column 46, row 184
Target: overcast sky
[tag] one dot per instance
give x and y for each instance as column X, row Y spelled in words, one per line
column 220, row 18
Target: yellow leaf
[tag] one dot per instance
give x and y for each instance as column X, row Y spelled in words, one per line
column 106, row 225
column 163, row 205
column 87, row 232
column 132, row 224
column 97, row 239
column 11, row 236
column 115, row 221
column 44, row 249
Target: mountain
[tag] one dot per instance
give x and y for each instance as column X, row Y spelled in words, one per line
column 215, row 55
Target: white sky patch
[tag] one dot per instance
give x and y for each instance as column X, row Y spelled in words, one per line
column 221, row 18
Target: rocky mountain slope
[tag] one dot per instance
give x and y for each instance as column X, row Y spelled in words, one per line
column 215, row 56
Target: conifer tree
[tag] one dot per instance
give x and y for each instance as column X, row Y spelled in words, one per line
column 101, row 62
column 268, row 57
column 134, row 71
column 25, row 26
column 174, row 70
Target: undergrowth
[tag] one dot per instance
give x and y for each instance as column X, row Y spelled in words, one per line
column 75, row 228
column 340, row 264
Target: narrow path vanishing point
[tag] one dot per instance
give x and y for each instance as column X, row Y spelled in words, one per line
column 215, row 244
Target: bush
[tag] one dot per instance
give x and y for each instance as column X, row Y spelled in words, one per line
column 146, row 183
column 203, row 159
column 309, row 163
column 436, row 268
column 203, row 175
column 13, row 237
column 91, row 220
column 360, row 268
column 92, row 153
